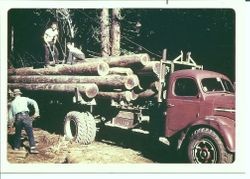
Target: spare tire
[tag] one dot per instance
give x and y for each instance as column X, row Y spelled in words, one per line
column 80, row 127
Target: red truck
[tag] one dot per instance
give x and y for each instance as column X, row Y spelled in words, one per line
column 194, row 107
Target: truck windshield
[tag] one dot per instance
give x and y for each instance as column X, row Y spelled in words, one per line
column 217, row 85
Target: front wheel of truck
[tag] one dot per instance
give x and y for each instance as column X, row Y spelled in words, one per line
column 80, row 127
column 205, row 146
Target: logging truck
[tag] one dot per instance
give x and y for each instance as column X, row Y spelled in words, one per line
column 175, row 101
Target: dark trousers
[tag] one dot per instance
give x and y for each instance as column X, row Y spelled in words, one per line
column 50, row 50
column 23, row 121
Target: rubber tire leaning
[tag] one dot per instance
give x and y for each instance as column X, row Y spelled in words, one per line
column 85, row 127
column 209, row 136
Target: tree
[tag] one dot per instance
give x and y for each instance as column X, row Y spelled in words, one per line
column 105, row 37
column 116, row 32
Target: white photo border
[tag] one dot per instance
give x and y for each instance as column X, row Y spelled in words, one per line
column 239, row 166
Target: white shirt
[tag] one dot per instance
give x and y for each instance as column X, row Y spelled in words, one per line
column 50, row 35
column 20, row 104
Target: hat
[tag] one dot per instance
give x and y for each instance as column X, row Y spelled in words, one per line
column 17, row 91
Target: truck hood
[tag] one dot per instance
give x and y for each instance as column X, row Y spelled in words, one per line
column 223, row 105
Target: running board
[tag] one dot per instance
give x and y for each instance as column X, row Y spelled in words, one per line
column 109, row 124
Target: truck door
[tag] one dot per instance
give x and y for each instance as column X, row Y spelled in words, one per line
column 182, row 104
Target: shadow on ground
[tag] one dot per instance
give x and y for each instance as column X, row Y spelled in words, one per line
column 148, row 146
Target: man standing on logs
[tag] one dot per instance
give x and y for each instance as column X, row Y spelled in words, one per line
column 19, row 111
column 50, row 38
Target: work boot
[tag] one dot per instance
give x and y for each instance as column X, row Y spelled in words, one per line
column 33, row 150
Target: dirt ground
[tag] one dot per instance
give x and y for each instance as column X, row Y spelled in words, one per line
column 111, row 146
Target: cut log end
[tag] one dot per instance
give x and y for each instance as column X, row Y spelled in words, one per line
column 131, row 82
column 103, row 69
column 145, row 59
column 91, row 90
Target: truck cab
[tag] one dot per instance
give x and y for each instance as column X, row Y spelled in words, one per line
column 201, row 104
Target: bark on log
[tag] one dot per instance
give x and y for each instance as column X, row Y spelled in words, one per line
column 145, row 95
column 124, row 95
column 151, row 68
column 104, row 82
column 86, row 68
column 88, row 90
column 134, row 61
column 120, row 71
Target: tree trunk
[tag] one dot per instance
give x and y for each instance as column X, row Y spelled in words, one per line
column 116, row 32
column 88, row 90
column 118, row 96
column 105, row 43
column 86, row 68
column 120, row 71
column 104, row 82
column 12, row 39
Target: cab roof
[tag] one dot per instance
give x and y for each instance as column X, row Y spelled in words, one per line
column 198, row 74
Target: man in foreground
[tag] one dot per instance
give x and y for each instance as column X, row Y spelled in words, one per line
column 19, row 111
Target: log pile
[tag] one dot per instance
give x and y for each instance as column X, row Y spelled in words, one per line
column 123, row 78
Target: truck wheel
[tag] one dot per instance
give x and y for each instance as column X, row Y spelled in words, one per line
column 80, row 127
column 205, row 146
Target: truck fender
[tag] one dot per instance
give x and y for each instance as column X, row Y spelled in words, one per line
column 224, row 126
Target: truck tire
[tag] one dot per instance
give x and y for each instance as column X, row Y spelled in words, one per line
column 80, row 127
column 205, row 146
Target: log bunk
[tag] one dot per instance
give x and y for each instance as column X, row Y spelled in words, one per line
column 122, row 78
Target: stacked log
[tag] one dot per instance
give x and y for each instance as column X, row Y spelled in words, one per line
column 134, row 61
column 107, row 82
column 130, row 78
column 92, row 68
column 120, row 71
column 89, row 90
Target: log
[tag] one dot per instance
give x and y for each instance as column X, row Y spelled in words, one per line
column 145, row 95
column 120, row 71
column 134, row 61
column 118, row 96
column 151, row 68
column 85, row 68
column 104, row 82
column 88, row 90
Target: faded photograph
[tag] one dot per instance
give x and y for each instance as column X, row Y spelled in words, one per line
column 105, row 86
